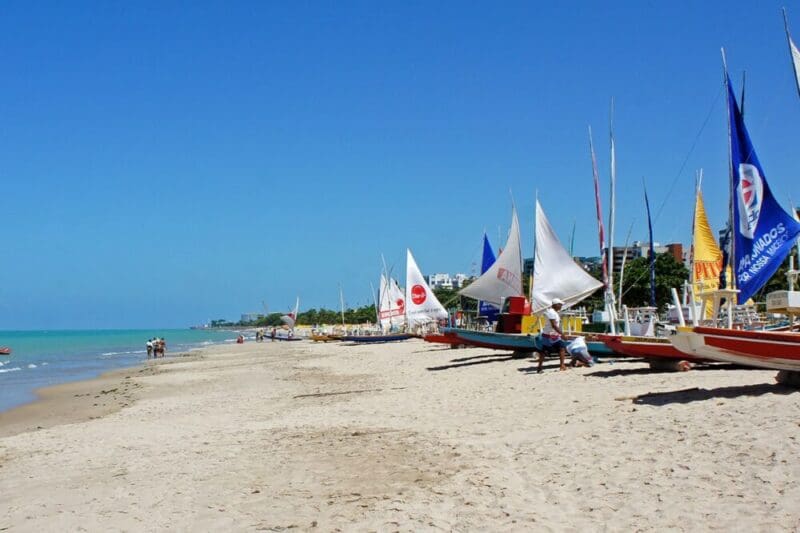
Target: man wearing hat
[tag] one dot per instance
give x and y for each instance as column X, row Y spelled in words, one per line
column 552, row 334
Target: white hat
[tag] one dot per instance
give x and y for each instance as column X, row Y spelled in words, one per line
column 556, row 301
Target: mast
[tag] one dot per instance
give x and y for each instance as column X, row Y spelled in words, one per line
column 622, row 266
column 377, row 307
column 651, row 252
column 572, row 236
column 388, row 292
column 341, row 301
column 731, row 219
column 611, row 217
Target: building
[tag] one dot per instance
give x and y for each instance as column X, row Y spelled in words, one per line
column 439, row 281
column 446, row 281
column 251, row 317
column 527, row 267
column 641, row 249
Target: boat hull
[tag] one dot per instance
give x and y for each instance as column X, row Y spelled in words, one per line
column 372, row 339
column 5, row 350
column 517, row 342
column 761, row 349
column 647, row 347
column 325, row 338
column 442, row 338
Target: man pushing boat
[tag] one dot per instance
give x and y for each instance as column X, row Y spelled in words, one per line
column 551, row 335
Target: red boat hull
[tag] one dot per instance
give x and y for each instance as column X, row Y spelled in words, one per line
column 5, row 350
column 647, row 348
column 763, row 349
column 444, row 338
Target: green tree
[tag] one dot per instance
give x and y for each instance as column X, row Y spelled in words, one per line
column 778, row 281
column 636, row 284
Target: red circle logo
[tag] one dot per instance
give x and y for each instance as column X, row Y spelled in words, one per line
column 418, row 294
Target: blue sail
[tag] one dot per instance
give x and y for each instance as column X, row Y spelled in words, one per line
column 651, row 254
column 486, row 309
column 763, row 232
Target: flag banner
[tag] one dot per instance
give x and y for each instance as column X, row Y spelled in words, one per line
column 486, row 309
column 794, row 53
column 597, row 203
column 651, row 254
column 763, row 232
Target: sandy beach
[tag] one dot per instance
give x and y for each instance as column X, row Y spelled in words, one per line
column 406, row 436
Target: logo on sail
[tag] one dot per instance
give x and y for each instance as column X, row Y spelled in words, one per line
column 508, row 277
column 751, row 187
column 418, row 294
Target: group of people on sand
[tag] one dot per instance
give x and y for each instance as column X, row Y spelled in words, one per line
column 261, row 334
column 156, row 347
column 550, row 340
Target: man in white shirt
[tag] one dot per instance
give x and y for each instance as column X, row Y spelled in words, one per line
column 551, row 333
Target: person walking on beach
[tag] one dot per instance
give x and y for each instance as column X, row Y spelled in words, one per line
column 272, row 334
column 149, row 348
column 552, row 334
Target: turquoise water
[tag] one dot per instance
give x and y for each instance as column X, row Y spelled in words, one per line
column 43, row 358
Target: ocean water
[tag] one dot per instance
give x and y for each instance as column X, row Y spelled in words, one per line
column 42, row 358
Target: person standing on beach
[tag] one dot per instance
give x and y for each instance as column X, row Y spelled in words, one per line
column 552, row 334
column 149, row 348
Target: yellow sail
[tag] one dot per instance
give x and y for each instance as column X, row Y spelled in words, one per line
column 707, row 257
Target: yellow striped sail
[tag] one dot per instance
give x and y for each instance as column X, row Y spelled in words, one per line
column 707, row 257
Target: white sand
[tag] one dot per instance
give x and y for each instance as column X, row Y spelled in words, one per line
column 411, row 436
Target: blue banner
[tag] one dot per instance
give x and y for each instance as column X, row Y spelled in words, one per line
column 651, row 254
column 763, row 232
column 486, row 309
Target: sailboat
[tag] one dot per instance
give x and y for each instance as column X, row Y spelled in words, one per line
column 763, row 236
column 422, row 306
column 289, row 320
column 391, row 315
column 556, row 275
column 500, row 285
column 486, row 310
column 706, row 268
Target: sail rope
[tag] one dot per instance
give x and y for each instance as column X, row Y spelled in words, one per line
column 680, row 172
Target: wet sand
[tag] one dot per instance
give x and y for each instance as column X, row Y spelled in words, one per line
column 402, row 436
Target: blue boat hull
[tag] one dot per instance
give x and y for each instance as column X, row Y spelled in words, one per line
column 517, row 342
column 367, row 339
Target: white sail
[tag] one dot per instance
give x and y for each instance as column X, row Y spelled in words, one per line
column 504, row 277
column 794, row 53
column 422, row 306
column 291, row 318
column 555, row 273
column 393, row 305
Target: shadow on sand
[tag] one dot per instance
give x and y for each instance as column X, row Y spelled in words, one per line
column 476, row 360
column 636, row 371
column 659, row 399
column 546, row 366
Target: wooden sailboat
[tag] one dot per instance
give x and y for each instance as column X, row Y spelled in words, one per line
column 763, row 236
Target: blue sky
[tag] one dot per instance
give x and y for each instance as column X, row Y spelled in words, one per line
column 166, row 163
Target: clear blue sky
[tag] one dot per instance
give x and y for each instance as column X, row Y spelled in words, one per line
column 165, row 163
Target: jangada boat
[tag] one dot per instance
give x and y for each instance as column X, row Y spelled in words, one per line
column 763, row 236
column 367, row 339
column 556, row 276
column 646, row 347
column 762, row 349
